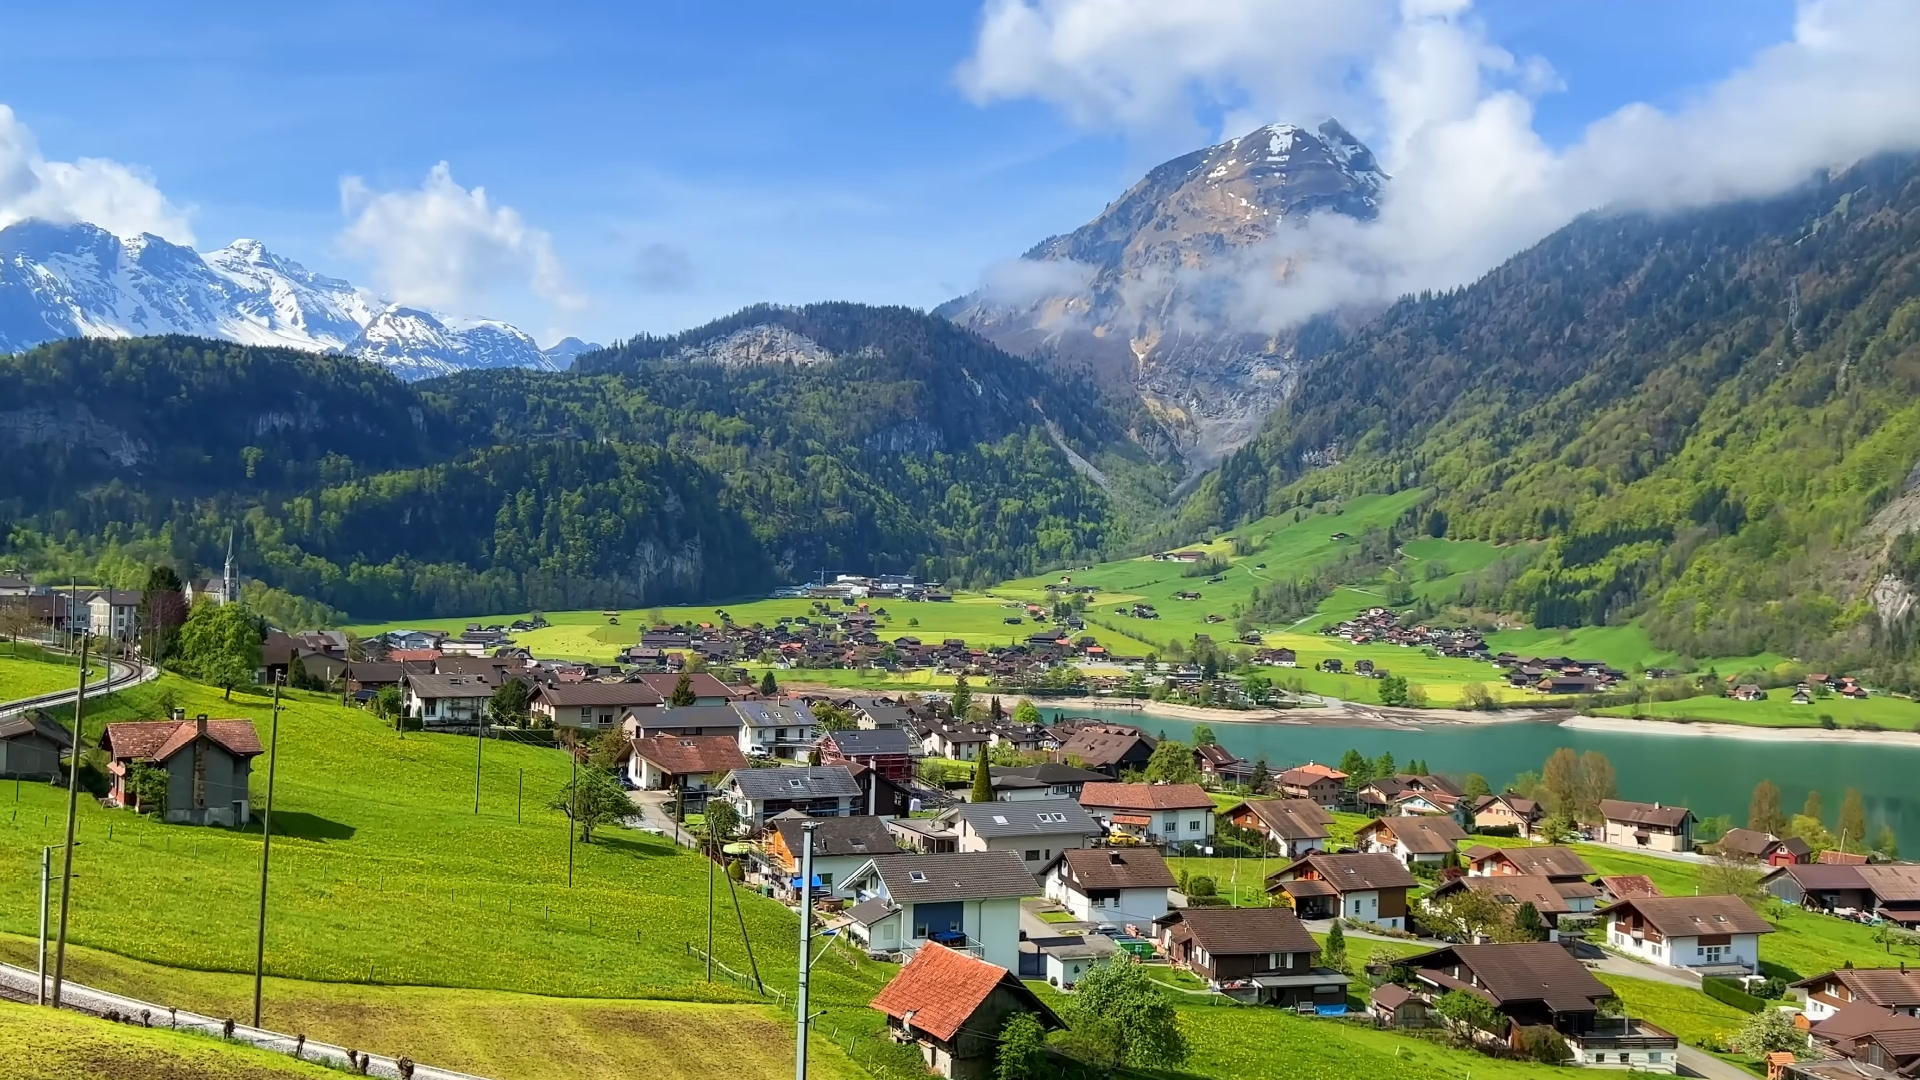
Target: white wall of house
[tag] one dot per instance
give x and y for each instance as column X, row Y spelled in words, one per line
column 994, row 924
column 1137, row 906
column 1035, row 851
column 776, row 741
column 1365, row 906
column 1647, row 1061
column 1065, row 973
column 1687, row 952
column 1623, row 834
column 1168, row 828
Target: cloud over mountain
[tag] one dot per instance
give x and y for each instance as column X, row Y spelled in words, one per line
column 119, row 198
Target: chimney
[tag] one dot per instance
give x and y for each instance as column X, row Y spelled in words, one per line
column 1113, row 858
column 179, row 716
column 199, row 724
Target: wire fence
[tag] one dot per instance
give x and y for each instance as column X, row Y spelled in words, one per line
column 879, row 1058
column 757, row 986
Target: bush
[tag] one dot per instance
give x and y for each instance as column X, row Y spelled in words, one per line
column 1202, row 886
column 1544, row 1045
column 1770, row 989
column 1729, row 993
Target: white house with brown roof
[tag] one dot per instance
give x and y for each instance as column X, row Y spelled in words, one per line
column 1364, row 886
column 1422, row 839
column 1291, row 827
column 1647, row 825
column 1110, row 886
column 1507, row 811
column 1701, row 933
column 1555, row 863
column 1894, row 989
column 208, row 764
column 593, row 706
column 691, row 764
column 446, row 700
column 1165, row 815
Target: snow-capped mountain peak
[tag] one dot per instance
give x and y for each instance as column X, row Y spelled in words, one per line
column 78, row 280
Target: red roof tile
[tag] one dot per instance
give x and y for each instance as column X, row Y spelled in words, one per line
column 1146, row 796
column 939, row 989
column 158, row 740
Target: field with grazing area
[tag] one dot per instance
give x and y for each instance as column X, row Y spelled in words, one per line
column 39, row 1044
column 1256, row 1043
column 1689, row 1014
column 383, row 874
column 1778, row 710
column 27, row 671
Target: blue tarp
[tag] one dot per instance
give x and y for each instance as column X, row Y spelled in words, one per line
column 1330, row 1010
column 794, row 883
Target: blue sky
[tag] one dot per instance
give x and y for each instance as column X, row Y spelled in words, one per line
column 688, row 159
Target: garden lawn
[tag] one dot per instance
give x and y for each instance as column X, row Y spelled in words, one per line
column 488, row 1033
column 1778, row 710
column 40, row 1044
column 383, row 873
column 1689, row 1014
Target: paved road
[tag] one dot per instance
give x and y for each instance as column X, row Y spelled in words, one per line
column 1697, row 1062
column 18, row 982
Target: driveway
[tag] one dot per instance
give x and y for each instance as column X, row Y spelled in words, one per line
column 1032, row 925
column 655, row 809
column 1697, row 1062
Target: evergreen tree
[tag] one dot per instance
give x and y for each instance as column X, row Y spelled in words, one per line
column 993, row 709
column 962, row 697
column 1813, row 809
column 1333, row 951
column 1384, row 766
column 1262, row 777
column 982, row 782
column 768, row 688
column 163, row 609
column 683, row 694
column 1853, row 821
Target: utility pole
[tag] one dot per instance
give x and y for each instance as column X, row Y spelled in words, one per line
column 73, row 807
column 573, row 799
column 478, row 744
column 710, row 854
column 806, row 946
column 519, row 794
column 40, row 969
column 266, row 849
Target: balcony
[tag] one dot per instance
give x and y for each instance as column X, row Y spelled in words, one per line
column 1623, row 1033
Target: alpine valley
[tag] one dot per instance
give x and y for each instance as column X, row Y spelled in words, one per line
column 1703, row 423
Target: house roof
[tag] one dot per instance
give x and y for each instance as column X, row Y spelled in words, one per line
column 1227, row 931
column 1309, row 774
column 810, row 782
column 774, row 714
column 1032, row 817
column 857, row 835
column 939, row 990
column 1546, row 895
column 1108, row 794
column 1691, row 916
column 13, row 727
column 1519, row 804
column 1892, row 882
column 158, row 740
column 701, row 683
column 1389, row 996
column 1821, row 877
column 956, row 875
column 428, row 685
column 1046, row 774
column 1117, row 868
column 1289, row 819
column 1102, row 747
column 1419, row 835
column 1550, row 861
column 1355, row 873
column 686, row 716
column 371, row 671
column 1859, row 1019
column 684, row 755
column 874, row 741
column 1640, row 813
column 620, row 695
column 1621, row 886
column 1893, row 988
column 1524, row 971
column 871, row 911
column 1748, row 842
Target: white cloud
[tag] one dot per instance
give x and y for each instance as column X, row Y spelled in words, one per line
column 116, row 197
column 442, row 245
column 1450, row 114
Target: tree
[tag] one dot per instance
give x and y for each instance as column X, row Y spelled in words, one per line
column 1027, row 714
column 1358, row 769
column 1125, row 1006
column 605, row 750
column 683, row 694
column 1770, row 1031
column 1812, row 808
column 1561, row 777
column 1853, row 820
column 1763, row 811
column 16, row 621
column 163, row 610
column 768, row 688
column 1383, row 766
column 1172, row 763
column 994, row 711
column 1887, row 842
column 723, row 822
column 830, row 717
column 1393, row 690
column 982, row 783
column 1559, row 828
column 1526, row 920
column 1022, row 1054
column 1333, row 951
column 1475, row 786
column 1262, row 777
column 388, row 704
column 1812, row 831
column 220, row 644
column 592, row 801
column 1436, row 523
column 962, row 696
column 1465, row 914
column 1475, row 696
column 1597, row 784
column 1468, row 1012
column 1725, row 875
column 1544, row 1045
column 148, row 786
column 1203, row 736
column 508, row 705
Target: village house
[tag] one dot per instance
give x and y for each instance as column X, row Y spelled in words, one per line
column 1539, row 984
column 1764, row 847
column 1048, row 780
column 1167, row 815
column 1647, row 825
column 1123, row 887
column 967, row 900
column 1893, row 989
column 706, row 689
column 889, row 750
column 1289, row 827
column 1407, row 793
column 1255, row 955
column 1219, row 764
column 208, row 764
column 1413, row 839
column 440, row 701
column 1365, row 887
column 779, row 729
column 1706, row 934
column 689, row 720
column 365, row 678
column 1860, row 1042
column 1063, row 960
column 1508, row 811
column 1617, row 887
column 960, row 742
column 591, row 706
column 1886, row 891
column 1317, row 782
column 840, row 846
column 1552, row 863
column 1550, row 899
column 1037, row 831
column 114, row 613
column 1108, row 749
column 31, row 747
column 688, row 764
column 814, row 790
column 953, row 1006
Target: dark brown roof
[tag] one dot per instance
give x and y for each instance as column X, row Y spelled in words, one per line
column 857, row 835
column 1822, row 877
column 1517, row 972
column 1145, row 796
column 1246, row 931
column 1420, row 835
column 1691, row 916
column 1289, row 819
column 13, row 727
column 1549, row 861
column 1622, row 886
column 1859, row 1019
column 686, row 755
column 1895, row 882
column 1116, row 868
column 1515, row 889
column 1098, row 748
column 1640, row 813
column 615, row 695
column 701, row 683
column 1893, row 988
column 158, row 740
column 1748, row 842
column 1354, row 873
column 939, row 990
column 368, row 671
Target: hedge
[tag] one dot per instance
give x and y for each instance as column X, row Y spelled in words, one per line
column 1728, row 992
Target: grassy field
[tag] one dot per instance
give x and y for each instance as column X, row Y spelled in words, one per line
column 590, row 636
column 29, row 671
column 1778, row 710
column 1689, row 1014
column 489, row 1033
column 383, row 875
column 1259, row 1044
column 39, row 1044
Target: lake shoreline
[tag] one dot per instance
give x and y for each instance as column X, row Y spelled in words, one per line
column 1343, row 715
column 1627, row 725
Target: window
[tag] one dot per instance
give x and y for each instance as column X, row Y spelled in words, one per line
column 918, row 877
column 1713, row 954
column 586, row 713
column 919, row 929
column 1193, row 826
column 1655, row 1057
column 999, row 819
column 1033, row 854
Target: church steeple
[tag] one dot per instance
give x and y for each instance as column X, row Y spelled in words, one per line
column 230, row 580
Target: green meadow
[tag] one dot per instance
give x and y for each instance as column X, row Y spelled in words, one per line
column 39, row 1044
column 1778, row 710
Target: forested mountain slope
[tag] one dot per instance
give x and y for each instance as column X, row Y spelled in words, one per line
column 704, row 466
column 1703, row 411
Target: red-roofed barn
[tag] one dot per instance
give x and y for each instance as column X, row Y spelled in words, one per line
column 954, row 1006
column 207, row 764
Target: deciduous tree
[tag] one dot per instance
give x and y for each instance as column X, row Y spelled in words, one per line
column 1172, row 763
column 1853, row 821
column 220, row 644
column 1119, row 997
column 1763, row 810
column 591, row 801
